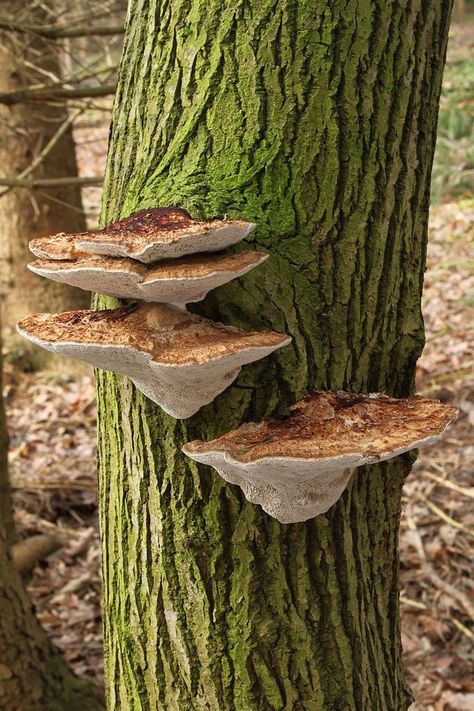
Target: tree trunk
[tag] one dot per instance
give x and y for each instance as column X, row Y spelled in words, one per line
column 33, row 676
column 318, row 122
column 459, row 10
column 6, row 509
column 25, row 130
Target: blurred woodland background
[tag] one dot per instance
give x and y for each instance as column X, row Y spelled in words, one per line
column 58, row 63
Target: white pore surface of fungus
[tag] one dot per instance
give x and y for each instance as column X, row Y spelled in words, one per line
column 173, row 281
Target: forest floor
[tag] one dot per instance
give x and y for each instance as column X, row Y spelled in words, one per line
column 52, row 466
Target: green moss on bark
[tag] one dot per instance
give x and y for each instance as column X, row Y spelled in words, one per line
column 318, row 123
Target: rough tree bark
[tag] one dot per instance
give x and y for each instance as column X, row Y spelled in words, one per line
column 25, row 130
column 316, row 120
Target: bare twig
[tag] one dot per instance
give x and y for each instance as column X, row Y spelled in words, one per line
column 18, row 483
column 87, row 71
column 54, row 92
column 26, row 553
column 464, row 630
column 412, row 603
column 450, row 484
column 46, row 150
column 430, row 572
column 52, row 32
column 439, row 512
column 51, row 182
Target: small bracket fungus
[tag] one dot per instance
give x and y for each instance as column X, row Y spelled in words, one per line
column 174, row 281
column 179, row 360
column 148, row 235
column 297, row 468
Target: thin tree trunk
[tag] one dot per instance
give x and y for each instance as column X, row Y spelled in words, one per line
column 25, row 131
column 6, row 508
column 33, row 676
column 316, row 120
column 459, row 10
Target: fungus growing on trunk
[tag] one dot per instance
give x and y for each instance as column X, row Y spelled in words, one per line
column 298, row 467
column 179, row 360
column 148, row 235
column 173, row 281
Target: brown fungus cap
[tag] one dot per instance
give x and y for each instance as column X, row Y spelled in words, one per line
column 178, row 359
column 298, row 467
column 183, row 280
column 326, row 425
column 148, row 235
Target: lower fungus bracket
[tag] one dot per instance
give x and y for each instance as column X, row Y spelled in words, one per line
column 298, row 467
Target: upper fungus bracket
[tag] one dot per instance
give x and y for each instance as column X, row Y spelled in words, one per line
column 147, row 236
column 179, row 360
column 297, row 468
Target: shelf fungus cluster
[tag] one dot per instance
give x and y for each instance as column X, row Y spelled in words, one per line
column 179, row 360
column 297, row 467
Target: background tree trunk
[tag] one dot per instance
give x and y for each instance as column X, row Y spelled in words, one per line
column 25, row 130
column 33, row 676
column 6, row 509
column 459, row 10
column 317, row 121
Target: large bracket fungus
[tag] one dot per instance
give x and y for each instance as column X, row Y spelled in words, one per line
column 148, row 235
column 172, row 281
column 297, row 468
column 179, row 360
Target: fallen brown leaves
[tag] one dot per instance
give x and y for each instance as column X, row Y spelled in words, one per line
column 437, row 528
column 51, row 422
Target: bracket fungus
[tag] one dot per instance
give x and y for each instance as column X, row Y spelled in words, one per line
column 147, row 235
column 181, row 280
column 179, row 360
column 297, row 468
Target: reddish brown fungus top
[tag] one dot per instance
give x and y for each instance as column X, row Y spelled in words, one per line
column 158, row 224
column 329, row 424
column 149, row 220
column 170, row 335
